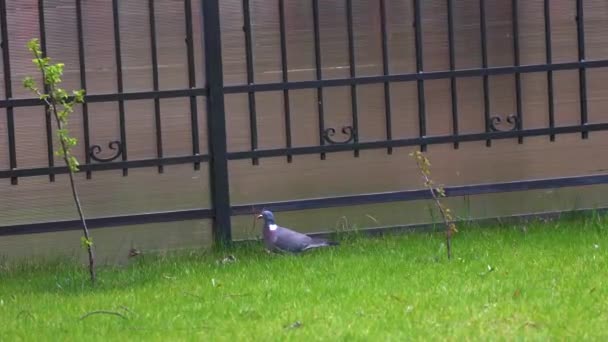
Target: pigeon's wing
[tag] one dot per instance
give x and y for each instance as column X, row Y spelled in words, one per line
column 289, row 240
column 316, row 243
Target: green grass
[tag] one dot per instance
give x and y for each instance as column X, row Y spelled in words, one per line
column 536, row 281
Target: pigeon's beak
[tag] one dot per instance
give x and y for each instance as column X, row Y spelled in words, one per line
column 259, row 216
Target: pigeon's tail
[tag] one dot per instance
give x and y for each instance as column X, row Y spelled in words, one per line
column 321, row 243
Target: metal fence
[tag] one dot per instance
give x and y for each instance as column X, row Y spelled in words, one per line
column 331, row 139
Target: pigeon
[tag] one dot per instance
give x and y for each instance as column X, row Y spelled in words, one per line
column 280, row 239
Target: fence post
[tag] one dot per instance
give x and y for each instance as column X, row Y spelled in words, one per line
column 216, row 123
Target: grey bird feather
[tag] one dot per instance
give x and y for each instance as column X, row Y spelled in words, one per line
column 281, row 239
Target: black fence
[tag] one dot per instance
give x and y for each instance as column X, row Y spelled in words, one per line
column 330, row 139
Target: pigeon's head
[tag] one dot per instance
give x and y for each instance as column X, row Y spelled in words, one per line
column 267, row 216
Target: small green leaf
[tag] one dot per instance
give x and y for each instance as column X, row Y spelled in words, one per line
column 28, row 83
column 60, row 94
column 86, row 243
column 79, row 95
column 33, row 45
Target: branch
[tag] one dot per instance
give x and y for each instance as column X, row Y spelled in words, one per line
column 45, row 99
column 446, row 218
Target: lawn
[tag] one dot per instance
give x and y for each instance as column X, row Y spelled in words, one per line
column 541, row 280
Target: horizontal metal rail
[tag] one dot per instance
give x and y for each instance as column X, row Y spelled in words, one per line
column 422, row 194
column 437, row 226
column 427, row 75
column 281, row 152
column 106, row 222
column 336, row 82
column 428, row 140
column 131, row 164
column 112, row 97
column 305, row 204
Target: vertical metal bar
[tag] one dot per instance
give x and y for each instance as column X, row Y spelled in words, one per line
column 580, row 27
column 250, row 78
column 47, row 113
column 353, row 71
column 157, row 119
column 8, row 91
column 192, row 82
column 516, row 60
column 119, row 81
column 549, row 59
column 83, row 85
column 216, row 120
column 484, row 62
column 420, row 70
column 286, row 102
column 385, row 72
column 319, row 72
column 453, row 83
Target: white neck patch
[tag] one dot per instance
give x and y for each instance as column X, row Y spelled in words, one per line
column 272, row 226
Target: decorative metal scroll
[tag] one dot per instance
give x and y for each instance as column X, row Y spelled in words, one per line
column 348, row 131
column 113, row 145
column 496, row 122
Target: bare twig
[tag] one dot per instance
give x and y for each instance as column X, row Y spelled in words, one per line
column 436, row 192
column 342, row 224
column 397, row 298
column 25, row 313
column 76, row 198
column 237, row 295
column 103, row 312
column 372, row 218
column 126, row 309
column 193, row 295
